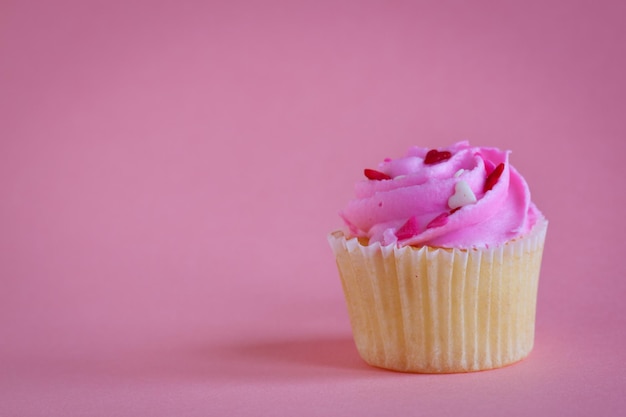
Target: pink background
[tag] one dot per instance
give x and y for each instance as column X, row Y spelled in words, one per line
column 169, row 171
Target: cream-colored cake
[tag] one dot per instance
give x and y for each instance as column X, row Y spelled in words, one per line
column 441, row 310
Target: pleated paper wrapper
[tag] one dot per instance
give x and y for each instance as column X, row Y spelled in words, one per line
column 436, row 310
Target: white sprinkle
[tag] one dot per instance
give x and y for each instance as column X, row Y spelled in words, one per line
column 458, row 173
column 463, row 195
column 399, row 177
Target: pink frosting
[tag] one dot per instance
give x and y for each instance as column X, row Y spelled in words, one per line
column 415, row 208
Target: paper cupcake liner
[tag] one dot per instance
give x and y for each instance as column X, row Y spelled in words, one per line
column 441, row 310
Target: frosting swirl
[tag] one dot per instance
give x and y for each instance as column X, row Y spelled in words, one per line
column 459, row 197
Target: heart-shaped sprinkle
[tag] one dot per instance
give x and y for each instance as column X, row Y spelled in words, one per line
column 493, row 178
column 463, row 195
column 409, row 229
column 434, row 157
column 438, row 221
column 372, row 174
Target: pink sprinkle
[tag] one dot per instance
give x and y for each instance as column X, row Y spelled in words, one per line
column 438, row 221
column 408, row 229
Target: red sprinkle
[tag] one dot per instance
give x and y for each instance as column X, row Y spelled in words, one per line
column 372, row 174
column 408, row 229
column 438, row 221
column 455, row 210
column 493, row 178
column 434, row 157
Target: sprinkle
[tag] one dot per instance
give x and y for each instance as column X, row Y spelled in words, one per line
column 438, row 221
column 408, row 229
column 458, row 173
column 463, row 195
column 493, row 178
column 434, row 157
column 372, row 174
column 455, row 210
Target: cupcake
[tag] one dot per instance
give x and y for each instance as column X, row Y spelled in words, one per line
column 439, row 261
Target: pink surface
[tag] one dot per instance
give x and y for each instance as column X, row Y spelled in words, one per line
column 169, row 171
